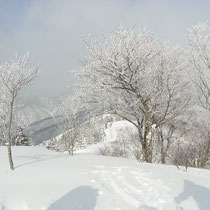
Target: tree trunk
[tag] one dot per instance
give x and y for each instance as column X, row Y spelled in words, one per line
column 10, row 157
column 148, row 150
column 163, row 158
column 9, row 136
column 71, row 151
column 162, row 152
column 147, row 153
column 145, row 137
column 207, row 157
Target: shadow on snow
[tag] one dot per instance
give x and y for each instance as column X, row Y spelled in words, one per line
column 199, row 193
column 80, row 198
column 146, row 207
column 35, row 159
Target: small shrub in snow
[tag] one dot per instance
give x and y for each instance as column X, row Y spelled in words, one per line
column 105, row 151
column 113, row 150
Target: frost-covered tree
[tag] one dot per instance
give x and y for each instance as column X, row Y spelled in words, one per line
column 14, row 76
column 199, row 48
column 20, row 139
column 136, row 76
column 70, row 132
column 68, row 140
column 3, row 111
column 165, row 138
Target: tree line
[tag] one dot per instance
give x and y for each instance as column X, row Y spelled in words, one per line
column 162, row 90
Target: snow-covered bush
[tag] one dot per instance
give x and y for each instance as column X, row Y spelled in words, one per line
column 52, row 144
column 20, row 139
column 115, row 149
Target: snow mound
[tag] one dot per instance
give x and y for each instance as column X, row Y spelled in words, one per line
column 119, row 129
column 46, row 180
column 114, row 132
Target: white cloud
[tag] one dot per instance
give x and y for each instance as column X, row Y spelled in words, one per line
column 50, row 30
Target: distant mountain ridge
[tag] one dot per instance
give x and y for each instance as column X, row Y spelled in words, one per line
column 38, row 108
column 44, row 129
column 41, row 120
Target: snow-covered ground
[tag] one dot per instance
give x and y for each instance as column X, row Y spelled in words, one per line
column 46, row 180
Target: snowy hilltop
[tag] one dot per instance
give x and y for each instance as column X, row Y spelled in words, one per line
column 47, row 180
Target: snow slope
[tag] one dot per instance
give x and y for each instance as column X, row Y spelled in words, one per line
column 46, row 180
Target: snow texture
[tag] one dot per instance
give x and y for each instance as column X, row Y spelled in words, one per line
column 46, row 180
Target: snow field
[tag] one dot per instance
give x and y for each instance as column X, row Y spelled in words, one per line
column 46, row 180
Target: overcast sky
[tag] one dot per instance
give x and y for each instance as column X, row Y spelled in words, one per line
column 50, row 30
